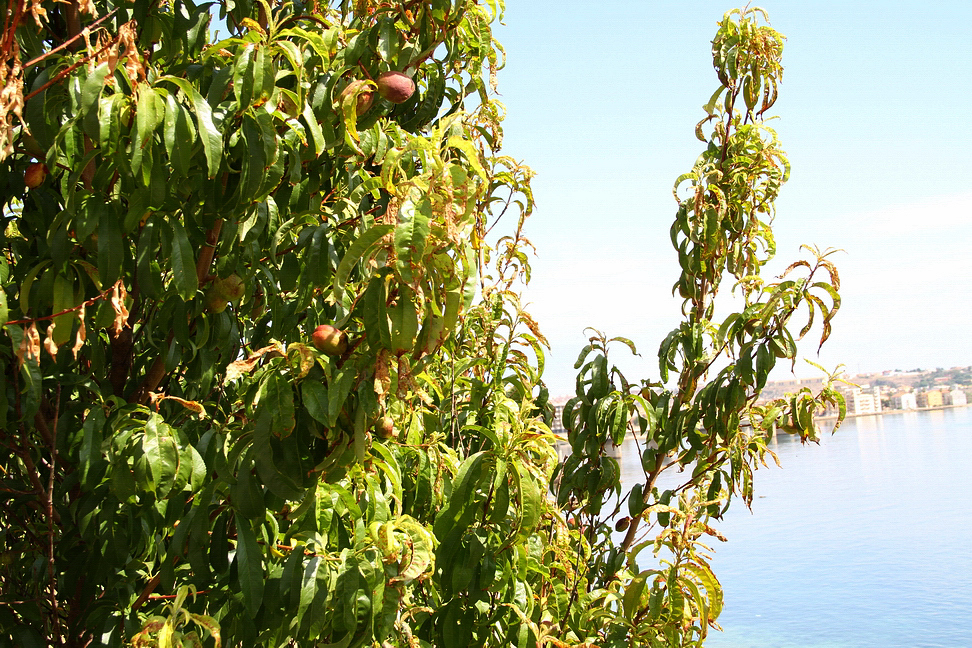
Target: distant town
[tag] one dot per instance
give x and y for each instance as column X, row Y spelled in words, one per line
column 888, row 391
column 866, row 394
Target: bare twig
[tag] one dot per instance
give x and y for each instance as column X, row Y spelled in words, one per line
column 68, row 42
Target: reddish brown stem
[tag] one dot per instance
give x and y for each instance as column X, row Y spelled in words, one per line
column 63, row 73
column 68, row 42
column 208, row 251
column 147, row 592
column 49, row 511
column 85, row 303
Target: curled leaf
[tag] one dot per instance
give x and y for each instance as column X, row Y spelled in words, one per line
column 236, row 369
column 118, row 297
column 82, row 333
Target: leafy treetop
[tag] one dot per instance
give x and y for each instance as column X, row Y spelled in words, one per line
column 186, row 464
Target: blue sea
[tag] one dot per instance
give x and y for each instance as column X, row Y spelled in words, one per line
column 864, row 540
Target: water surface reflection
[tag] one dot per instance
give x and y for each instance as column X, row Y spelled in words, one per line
column 861, row 541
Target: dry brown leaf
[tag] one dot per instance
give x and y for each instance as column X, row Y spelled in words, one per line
column 86, row 33
column 382, row 376
column 236, row 369
column 49, row 344
column 118, row 296
column 38, row 11
column 189, row 405
column 306, row 357
column 31, row 345
column 534, row 327
column 82, row 333
column 128, row 47
column 11, row 101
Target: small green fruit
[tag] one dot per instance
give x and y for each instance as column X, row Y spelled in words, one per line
column 223, row 291
column 395, row 87
column 233, row 287
column 215, row 302
column 330, row 340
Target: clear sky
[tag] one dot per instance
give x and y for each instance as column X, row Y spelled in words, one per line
column 875, row 115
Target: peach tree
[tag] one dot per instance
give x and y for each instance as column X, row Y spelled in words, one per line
column 266, row 375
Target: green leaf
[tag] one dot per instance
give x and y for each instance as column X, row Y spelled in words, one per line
column 183, row 263
column 90, row 454
column 337, row 392
column 347, row 603
column 262, row 74
column 472, row 155
column 355, row 253
column 211, row 137
column 91, row 100
column 148, row 271
column 389, row 40
column 63, row 299
column 28, row 283
column 636, row 501
column 457, row 625
column 160, row 457
column 255, row 161
column 410, row 238
column 631, row 601
column 314, row 396
column 318, row 265
column 277, row 397
column 317, row 135
column 111, row 250
column 246, row 494
column 149, row 111
column 375, row 313
column 404, row 322
column 4, row 311
column 123, row 481
column 198, row 473
column 280, row 484
column 250, row 566
column 309, row 586
column 470, row 472
column 243, row 76
column 180, row 135
column 530, row 500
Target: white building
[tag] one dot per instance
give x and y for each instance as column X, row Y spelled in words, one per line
column 557, row 426
column 862, row 401
column 905, row 401
column 956, row 397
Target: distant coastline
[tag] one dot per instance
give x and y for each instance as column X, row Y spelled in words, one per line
column 870, row 394
column 833, row 417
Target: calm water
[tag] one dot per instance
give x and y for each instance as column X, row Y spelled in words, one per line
column 864, row 540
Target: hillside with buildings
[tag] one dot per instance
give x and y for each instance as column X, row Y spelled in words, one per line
column 868, row 393
column 873, row 393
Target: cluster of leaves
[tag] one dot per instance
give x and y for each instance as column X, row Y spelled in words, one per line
column 169, row 427
column 709, row 426
column 177, row 441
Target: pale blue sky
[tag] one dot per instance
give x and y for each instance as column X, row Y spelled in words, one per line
column 875, row 114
